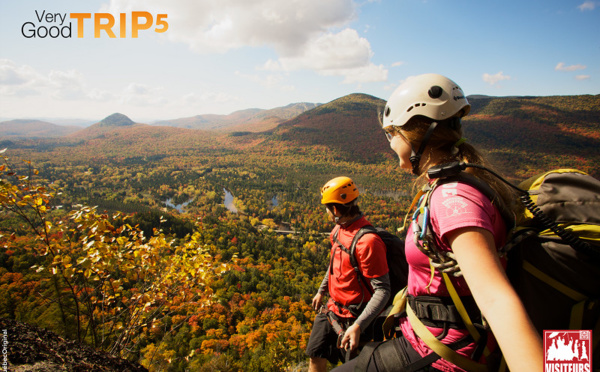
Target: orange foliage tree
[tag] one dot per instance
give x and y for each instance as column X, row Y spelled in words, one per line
column 108, row 279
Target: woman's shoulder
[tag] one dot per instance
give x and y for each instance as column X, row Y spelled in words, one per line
column 459, row 190
column 456, row 204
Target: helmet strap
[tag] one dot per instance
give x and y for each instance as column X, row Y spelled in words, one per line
column 415, row 158
column 349, row 222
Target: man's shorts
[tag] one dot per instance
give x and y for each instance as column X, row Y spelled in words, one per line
column 323, row 339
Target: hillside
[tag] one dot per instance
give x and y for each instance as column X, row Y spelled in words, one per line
column 143, row 257
column 138, row 140
column 18, row 129
column 528, row 133
column 116, row 120
column 253, row 120
column 30, row 348
column 113, row 123
column 347, row 126
column 520, row 134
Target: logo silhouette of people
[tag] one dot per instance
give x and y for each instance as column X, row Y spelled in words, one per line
column 563, row 350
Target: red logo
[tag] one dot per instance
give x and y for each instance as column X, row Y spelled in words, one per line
column 568, row 351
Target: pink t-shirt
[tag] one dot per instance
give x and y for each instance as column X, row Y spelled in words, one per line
column 452, row 206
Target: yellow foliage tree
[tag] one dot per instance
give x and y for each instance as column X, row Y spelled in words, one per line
column 119, row 282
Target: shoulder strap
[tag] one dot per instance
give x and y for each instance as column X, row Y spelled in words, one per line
column 464, row 314
column 352, row 252
column 359, row 234
column 399, row 306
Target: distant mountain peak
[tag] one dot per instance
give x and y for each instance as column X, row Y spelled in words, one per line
column 116, row 120
column 253, row 119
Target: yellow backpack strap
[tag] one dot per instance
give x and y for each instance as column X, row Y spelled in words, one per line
column 463, row 312
column 573, row 294
column 584, row 231
column 578, row 309
column 440, row 348
column 399, row 305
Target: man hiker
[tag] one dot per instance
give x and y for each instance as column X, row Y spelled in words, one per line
column 356, row 298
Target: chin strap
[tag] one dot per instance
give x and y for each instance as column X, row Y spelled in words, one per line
column 415, row 157
column 349, row 222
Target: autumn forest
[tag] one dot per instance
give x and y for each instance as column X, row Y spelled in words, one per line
column 119, row 235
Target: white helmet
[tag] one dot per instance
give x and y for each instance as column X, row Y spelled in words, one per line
column 431, row 95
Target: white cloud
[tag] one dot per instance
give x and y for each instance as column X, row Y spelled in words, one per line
column 493, row 79
column 582, row 77
column 305, row 34
column 142, row 95
column 390, row 87
column 268, row 81
column 364, row 74
column 19, row 80
column 209, row 26
column 22, row 83
column 343, row 50
column 66, row 84
column 100, row 95
column 23, row 80
column 335, row 54
column 587, row 5
column 561, row 67
column 398, row 64
column 209, row 97
column 11, row 74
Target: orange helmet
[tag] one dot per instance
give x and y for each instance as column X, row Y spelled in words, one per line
column 341, row 190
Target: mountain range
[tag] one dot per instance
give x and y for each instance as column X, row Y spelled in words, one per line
column 518, row 133
column 246, row 120
column 19, row 129
column 250, row 119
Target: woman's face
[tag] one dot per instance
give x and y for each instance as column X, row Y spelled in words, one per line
column 402, row 148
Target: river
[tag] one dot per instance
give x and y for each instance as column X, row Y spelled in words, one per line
column 179, row 207
column 229, row 201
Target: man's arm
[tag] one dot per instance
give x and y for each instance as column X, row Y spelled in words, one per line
column 382, row 292
column 323, row 289
column 381, row 287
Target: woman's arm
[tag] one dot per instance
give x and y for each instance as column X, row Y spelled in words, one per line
column 477, row 257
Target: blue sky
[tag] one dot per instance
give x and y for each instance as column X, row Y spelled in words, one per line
column 219, row 56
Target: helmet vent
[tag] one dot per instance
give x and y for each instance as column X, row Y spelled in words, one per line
column 416, row 105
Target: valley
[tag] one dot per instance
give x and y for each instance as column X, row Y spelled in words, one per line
column 213, row 285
